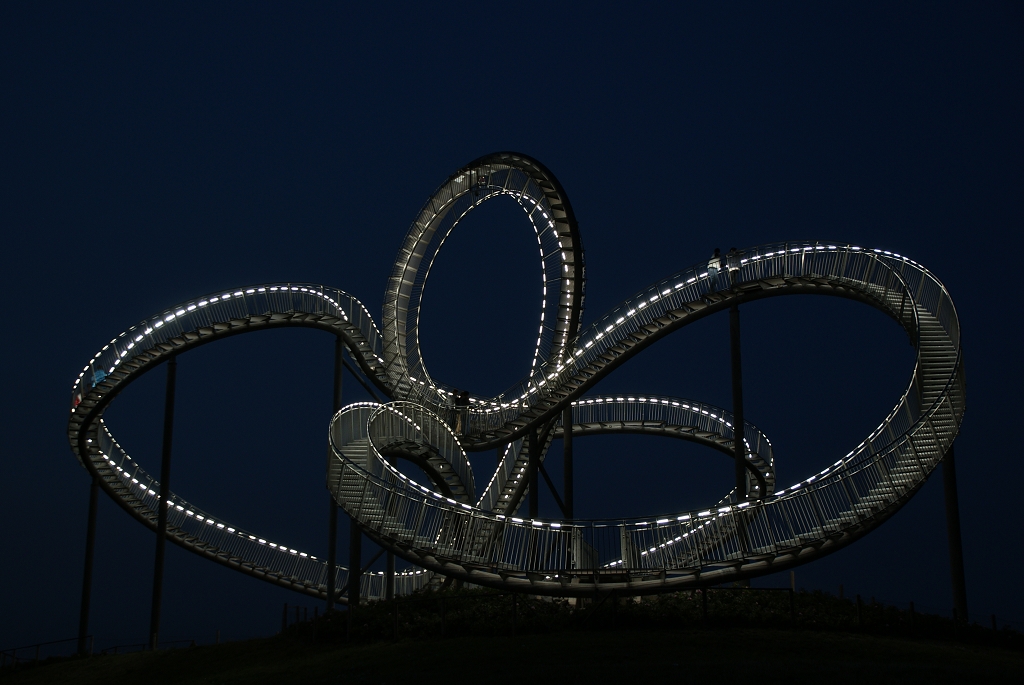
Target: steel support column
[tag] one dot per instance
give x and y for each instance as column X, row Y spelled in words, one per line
column 332, row 516
column 90, row 549
column 534, row 449
column 956, row 552
column 355, row 563
column 567, row 475
column 332, row 554
column 389, row 578
column 165, row 489
column 739, row 448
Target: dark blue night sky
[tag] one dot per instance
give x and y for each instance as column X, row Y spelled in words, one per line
column 151, row 154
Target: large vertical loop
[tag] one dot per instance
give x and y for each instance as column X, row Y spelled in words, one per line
column 547, row 207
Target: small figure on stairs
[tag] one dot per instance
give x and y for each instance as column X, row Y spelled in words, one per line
column 732, row 263
column 714, row 264
column 462, row 409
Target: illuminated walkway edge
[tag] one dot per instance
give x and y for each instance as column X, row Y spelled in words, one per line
column 479, row 536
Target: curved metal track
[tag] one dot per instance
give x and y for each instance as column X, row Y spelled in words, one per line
column 546, row 205
column 726, row 541
column 439, row 526
column 175, row 331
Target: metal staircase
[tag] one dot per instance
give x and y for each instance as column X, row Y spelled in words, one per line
column 444, row 526
column 731, row 539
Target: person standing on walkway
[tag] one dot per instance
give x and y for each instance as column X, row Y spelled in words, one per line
column 732, row 263
column 462, row 407
column 454, row 416
column 714, row 264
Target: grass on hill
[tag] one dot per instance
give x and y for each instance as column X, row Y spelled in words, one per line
column 749, row 636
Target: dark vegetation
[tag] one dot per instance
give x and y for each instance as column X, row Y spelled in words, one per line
column 485, row 613
column 455, row 636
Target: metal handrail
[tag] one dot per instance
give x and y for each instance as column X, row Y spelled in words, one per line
column 9, row 656
column 775, row 260
column 411, row 421
column 763, row 521
column 916, row 432
column 190, row 323
column 549, row 212
column 854, row 493
column 633, row 411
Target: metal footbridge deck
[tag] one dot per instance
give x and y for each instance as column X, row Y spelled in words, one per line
column 445, row 525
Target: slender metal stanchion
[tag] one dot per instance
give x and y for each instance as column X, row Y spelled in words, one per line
column 90, row 549
column 740, row 451
column 567, row 475
column 165, row 490
column 389, row 578
column 332, row 554
column 534, row 447
column 739, row 446
column 956, row 552
column 355, row 563
column 332, row 518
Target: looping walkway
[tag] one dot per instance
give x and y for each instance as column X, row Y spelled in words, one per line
column 452, row 526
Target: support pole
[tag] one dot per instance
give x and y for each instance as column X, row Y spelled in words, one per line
column 567, row 475
column 534, row 448
column 332, row 554
column 355, row 563
column 551, row 487
column 739, row 446
column 165, row 491
column 90, row 549
column 740, row 450
column 389, row 578
column 332, row 517
column 956, row 552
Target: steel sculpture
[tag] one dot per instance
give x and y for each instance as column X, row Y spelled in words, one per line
column 475, row 532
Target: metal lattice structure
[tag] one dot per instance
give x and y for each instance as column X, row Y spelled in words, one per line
column 452, row 526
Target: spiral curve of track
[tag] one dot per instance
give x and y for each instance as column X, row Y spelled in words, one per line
column 451, row 526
